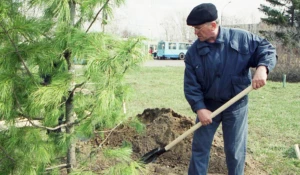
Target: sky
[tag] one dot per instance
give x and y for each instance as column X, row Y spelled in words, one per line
column 147, row 16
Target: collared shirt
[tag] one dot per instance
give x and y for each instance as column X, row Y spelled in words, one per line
column 220, row 70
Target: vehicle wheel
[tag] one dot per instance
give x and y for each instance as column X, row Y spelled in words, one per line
column 181, row 56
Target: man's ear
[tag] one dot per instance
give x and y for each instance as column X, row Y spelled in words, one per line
column 214, row 25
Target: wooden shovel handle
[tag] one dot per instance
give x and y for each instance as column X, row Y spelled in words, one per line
column 215, row 113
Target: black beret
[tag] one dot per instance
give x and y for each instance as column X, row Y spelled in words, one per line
column 201, row 14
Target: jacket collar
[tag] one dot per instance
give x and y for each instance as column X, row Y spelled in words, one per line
column 202, row 47
column 220, row 37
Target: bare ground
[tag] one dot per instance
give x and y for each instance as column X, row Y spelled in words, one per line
column 162, row 127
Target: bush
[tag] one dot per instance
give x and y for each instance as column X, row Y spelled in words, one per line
column 288, row 63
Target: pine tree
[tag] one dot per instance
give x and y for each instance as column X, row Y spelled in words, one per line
column 285, row 14
column 45, row 106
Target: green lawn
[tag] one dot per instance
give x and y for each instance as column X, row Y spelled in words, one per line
column 274, row 117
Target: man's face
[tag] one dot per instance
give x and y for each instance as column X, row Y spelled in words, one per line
column 203, row 31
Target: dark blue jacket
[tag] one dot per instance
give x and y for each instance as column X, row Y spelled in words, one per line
column 220, row 70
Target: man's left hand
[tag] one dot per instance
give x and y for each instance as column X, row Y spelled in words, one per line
column 260, row 77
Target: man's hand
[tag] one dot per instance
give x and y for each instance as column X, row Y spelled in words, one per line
column 260, row 77
column 204, row 116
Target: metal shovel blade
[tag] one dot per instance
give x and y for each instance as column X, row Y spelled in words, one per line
column 152, row 155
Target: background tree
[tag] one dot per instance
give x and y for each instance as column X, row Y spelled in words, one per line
column 175, row 28
column 40, row 85
column 285, row 14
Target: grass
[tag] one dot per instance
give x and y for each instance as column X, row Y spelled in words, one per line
column 274, row 120
column 158, row 88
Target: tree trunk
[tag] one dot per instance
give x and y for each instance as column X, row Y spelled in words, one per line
column 72, row 5
column 70, row 117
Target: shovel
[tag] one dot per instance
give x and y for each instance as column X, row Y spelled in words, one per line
column 153, row 154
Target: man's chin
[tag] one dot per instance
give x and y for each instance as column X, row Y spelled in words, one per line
column 201, row 39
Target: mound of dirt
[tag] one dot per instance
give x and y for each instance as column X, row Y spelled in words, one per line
column 162, row 127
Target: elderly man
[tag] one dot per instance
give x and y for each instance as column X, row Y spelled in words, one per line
column 218, row 68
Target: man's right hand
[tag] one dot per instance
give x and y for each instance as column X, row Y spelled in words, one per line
column 204, row 116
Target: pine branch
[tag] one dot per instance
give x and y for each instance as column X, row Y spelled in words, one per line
column 129, row 51
column 97, row 16
column 57, row 166
column 112, row 130
column 3, row 150
column 59, row 126
column 37, row 124
column 73, row 90
column 78, row 86
column 17, row 50
column 29, row 119
column 100, row 145
column 32, row 121
column 45, row 127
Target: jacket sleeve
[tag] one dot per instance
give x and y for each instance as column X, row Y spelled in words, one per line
column 264, row 55
column 192, row 88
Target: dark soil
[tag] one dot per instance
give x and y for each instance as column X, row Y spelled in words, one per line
column 162, row 127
